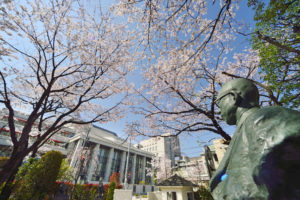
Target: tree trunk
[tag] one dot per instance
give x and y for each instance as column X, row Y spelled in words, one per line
column 8, row 188
column 33, row 154
column 8, row 173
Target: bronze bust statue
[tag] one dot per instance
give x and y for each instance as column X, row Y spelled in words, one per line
column 263, row 157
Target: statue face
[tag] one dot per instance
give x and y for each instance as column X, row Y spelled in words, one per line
column 227, row 105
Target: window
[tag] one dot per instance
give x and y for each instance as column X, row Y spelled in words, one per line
column 139, row 169
column 171, row 196
column 101, row 163
column 190, row 196
column 116, row 162
column 216, row 158
column 148, row 167
column 130, row 164
column 174, row 196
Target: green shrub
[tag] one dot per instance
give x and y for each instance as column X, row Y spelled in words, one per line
column 111, row 190
column 37, row 179
column 66, row 172
column 203, row 194
column 85, row 192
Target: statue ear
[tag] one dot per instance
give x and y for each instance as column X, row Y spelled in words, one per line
column 237, row 98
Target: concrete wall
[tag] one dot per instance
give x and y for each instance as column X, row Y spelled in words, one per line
column 155, row 195
column 220, row 149
column 181, row 191
column 139, row 189
column 121, row 194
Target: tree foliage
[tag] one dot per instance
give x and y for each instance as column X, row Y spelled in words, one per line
column 203, row 194
column 66, row 172
column 160, row 168
column 184, row 48
column 37, row 178
column 111, row 189
column 115, row 177
column 60, row 63
column 84, row 192
column 277, row 38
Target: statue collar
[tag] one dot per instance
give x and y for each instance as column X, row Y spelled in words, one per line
column 245, row 115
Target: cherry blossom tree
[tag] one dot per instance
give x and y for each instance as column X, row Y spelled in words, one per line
column 187, row 51
column 60, row 63
column 160, row 169
column 195, row 171
column 182, row 99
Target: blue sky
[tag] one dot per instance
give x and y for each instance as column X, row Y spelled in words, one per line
column 189, row 144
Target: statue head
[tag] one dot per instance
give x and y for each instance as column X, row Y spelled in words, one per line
column 234, row 94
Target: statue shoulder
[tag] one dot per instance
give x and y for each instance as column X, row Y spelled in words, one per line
column 271, row 125
column 273, row 115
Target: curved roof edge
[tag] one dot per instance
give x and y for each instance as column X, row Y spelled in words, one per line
column 103, row 129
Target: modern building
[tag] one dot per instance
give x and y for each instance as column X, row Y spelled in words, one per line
column 220, row 147
column 57, row 142
column 102, row 153
column 193, row 169
column 165, row 146
column 94, row 153
column 200, row 169
column 177, row 187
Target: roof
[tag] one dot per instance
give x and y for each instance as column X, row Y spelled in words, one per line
column 176, row 181
column 103, row 129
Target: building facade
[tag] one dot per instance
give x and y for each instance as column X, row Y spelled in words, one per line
column 220, row 147
column 57, row 142
column 200, row 169
column 95, row 154
column 102, row 153
column 165, row 146
column 193, row 169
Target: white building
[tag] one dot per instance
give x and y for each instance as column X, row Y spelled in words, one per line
column 106, row 153
column 57, row 142
column 96, row 156
column 193, row 169
column 220, row 148
column 166, row 146
column 200, row 169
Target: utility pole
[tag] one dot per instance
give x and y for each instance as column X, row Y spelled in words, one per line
column 126, row 166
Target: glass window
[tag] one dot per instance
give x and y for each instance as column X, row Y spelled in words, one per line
column 171, row 196
column 101, row 163
column 129, row 170
column 174, row 197
column 87, row 155
column 148, row 169
column 139, row 169
column 116, row 162
column 215, row 157
column 190, row 196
